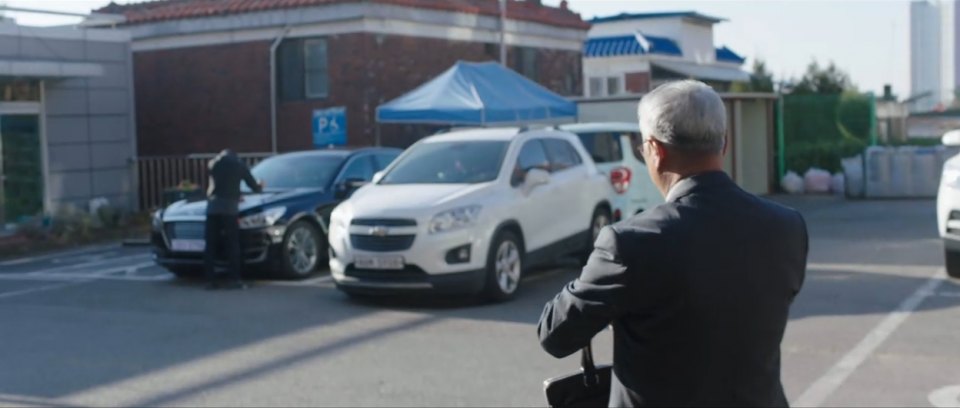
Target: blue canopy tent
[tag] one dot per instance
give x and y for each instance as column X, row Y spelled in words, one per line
column 478, row 94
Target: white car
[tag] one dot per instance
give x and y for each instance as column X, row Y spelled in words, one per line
column 948, row 207
column 614, row 147
column 469, row 211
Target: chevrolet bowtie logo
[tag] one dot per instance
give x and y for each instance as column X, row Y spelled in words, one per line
column 379, row 231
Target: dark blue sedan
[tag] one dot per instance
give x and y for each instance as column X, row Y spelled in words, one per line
column 284, row 229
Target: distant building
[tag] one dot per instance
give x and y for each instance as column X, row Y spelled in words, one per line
column 66, row 119
column 203, row 68
column 633, row 53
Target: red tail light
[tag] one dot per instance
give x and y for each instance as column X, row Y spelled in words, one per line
column 620, row 179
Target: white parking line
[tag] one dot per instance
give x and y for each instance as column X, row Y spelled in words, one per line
column 820, row 390
column 43, row 288
column 73, row 276
column 61, row 269
column 21, row 261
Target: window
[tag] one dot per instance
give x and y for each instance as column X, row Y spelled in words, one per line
column 596, row 87
column 604, row 147
column 526, row 62
column 449, row 163
column 384, row 159
column 532, row 156
column 315, row 68
column 613, row 86
column 16, row 90
column 360, row 168
column 282, row 172
column 562, row 155
column 637, row 143
column 302, row 69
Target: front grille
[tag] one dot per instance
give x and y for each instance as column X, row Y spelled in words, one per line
column 409, row 273
column 384, row 243
column 185, row 230
column 384, row 222
column 954, row 215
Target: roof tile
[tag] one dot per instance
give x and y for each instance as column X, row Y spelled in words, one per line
column 161, row 10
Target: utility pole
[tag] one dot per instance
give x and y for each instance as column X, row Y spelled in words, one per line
column 503, row 32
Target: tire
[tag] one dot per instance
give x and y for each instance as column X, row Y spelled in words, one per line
column 600, row 218
column 504, row 267
column 952, row 261
column 302, row 251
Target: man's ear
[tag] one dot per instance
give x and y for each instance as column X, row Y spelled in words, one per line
column 726, row 145
column 661, row 153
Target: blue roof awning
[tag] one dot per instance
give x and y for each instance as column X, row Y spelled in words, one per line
column 478, row 93
column 727, row 55
column 635, row 44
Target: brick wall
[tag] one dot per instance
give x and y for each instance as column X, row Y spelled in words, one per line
column 201, row 99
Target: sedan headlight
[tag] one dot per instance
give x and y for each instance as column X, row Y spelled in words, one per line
column 262, row 219
column 951, row 176
column 454, row 219
column 157, row 219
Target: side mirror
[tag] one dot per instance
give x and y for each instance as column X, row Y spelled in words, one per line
column 377, row 176
column 535, row 177
column 951, row 138
column 348, row 186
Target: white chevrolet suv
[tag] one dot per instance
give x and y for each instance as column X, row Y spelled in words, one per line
column 614, row 146
column 948, row 206
column 467, row 212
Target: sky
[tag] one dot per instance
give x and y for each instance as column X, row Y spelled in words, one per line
column 869, row 39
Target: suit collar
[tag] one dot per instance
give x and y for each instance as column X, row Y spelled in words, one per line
column 688, row 185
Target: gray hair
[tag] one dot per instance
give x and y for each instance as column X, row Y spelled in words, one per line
column 688, row 115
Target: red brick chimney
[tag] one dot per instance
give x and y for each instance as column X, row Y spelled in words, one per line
column 563, row 5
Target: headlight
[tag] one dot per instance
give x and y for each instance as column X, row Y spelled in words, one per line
column 157, row 219
column 951, row 176
column 454, row 219
column 262, row 219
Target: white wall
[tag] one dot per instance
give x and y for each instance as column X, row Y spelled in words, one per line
column 661, row 27
column 696, row 42
column 612, row 67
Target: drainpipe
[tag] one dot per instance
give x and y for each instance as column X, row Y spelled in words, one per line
column 273, row 87
column 503, row 32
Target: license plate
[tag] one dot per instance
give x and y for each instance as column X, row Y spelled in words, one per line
column 378, row 262
column 188, row 245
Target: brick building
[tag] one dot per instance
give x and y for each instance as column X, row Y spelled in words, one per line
column 202, row 68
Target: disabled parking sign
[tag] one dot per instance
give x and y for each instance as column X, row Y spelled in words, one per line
column 330, row 127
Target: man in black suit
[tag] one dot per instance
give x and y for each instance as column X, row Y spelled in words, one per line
column 226, row 172
column 698, row 289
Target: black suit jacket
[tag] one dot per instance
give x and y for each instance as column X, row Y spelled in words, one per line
column 698, row 292
column 227, row 171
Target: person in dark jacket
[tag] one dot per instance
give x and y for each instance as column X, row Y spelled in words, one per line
column 226, row 172
column 697, row 290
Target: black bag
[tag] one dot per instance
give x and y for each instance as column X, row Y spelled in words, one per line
column 589, row 388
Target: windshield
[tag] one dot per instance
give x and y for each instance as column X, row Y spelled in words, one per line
column 449, row 163
column 288, row 172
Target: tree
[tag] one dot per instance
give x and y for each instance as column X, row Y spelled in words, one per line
column 816, row 80
column 760, row 79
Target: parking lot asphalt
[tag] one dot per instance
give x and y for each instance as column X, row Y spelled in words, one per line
column 877, row 323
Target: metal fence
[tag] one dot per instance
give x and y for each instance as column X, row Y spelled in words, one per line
column 157, row 175
column 818, row 130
